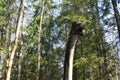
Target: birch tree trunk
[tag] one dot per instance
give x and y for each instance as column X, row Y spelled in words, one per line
column 20, row 14
column 77, row 29
column 39, row 41
column 8, row 34
column 10, row 3
column 117, row 16
column 21, row 48
column 20, row 60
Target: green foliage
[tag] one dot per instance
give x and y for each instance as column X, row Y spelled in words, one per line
column 2, row 9
column 3, row 20
column 2, row 50
column 76, row 18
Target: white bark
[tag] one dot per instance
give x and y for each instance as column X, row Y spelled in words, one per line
column 8, row 31
column 20, row 14
column 76, row 30
column 69, row 56
column 70, row 73
column 19, row 64
column 21, row 49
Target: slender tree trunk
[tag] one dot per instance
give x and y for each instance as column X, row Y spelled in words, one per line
column 70, row 48
column 19, row 62
column 39, row 40
column 9, row 7
column 21, row 49
column 117, row 70
column 117, row 16
column 8, row 31
column 20, row 14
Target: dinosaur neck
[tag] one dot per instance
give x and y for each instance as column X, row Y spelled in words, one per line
column 68, row 65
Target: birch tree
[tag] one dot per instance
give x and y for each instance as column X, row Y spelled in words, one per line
column 20, row 14
column 8, row 34
column 21, row 48
column 117, row 16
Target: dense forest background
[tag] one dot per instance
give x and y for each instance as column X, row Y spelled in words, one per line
column 33, row 36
